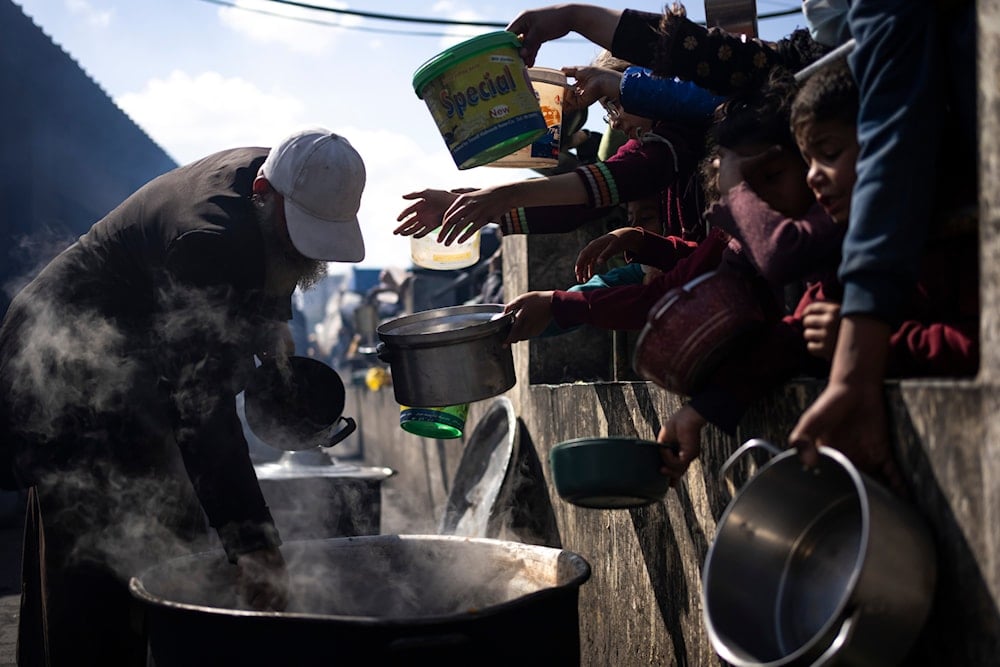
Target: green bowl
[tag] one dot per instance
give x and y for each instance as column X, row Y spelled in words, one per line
column 608, row 473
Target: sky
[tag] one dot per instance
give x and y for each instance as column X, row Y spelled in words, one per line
column 204, row 75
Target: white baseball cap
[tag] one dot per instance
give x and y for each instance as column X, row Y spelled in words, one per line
column 321, row 177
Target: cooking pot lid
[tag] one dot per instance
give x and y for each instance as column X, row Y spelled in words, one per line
column 292, row 465
column 476, row 499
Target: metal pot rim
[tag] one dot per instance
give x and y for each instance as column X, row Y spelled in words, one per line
column 475, row 329
column 825, row 636
column 583, row 573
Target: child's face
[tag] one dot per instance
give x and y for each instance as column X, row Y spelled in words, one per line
column 830, row 148
column 633, row 126
column 644, row 213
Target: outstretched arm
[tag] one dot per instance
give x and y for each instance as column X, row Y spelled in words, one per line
column 537, row 26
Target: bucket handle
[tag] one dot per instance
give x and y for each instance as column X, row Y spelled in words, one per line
column 348, row 428
column 844, row 636
column 755, row 443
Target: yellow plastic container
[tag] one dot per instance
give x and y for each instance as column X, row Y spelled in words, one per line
column 550, row 87
column 428, row 253
column 481, row 98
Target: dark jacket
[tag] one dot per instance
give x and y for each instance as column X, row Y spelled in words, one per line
column 137, row 338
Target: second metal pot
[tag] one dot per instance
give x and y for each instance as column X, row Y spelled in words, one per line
column 448, row 356
column 816, row 567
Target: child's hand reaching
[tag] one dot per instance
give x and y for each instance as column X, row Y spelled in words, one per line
column 473, row 210
column 682, row 428
column 822, row 322
column 603, row 248
column 594, row 83
column 532, row 314
column 423, row 217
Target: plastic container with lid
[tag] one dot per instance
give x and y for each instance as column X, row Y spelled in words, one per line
column 428, row 253
column 550, row 86
column 481, row 98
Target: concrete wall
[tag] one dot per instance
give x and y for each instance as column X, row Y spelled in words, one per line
column 642, row 605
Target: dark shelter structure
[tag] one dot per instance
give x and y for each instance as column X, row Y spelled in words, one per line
column 69, row 154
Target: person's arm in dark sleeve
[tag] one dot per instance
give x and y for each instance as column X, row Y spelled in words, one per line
column 204, row 343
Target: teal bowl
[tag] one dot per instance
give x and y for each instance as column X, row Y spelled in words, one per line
column 609, row 472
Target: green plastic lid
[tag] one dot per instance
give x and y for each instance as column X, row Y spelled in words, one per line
column 446, row 422
column 440, row 63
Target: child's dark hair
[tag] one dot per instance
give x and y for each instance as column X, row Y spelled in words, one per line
column 754, row 117
column 829, row 94
column 757, row 116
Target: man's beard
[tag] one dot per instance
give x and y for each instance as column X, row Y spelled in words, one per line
column 308, row 272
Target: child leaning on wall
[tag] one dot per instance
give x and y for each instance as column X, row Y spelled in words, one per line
column 938, row 335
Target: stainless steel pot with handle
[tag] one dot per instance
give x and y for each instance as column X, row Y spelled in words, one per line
column 815, row 567
column 448, row 356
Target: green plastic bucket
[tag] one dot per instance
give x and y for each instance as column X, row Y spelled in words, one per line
column 481, row 98
column 444, row 422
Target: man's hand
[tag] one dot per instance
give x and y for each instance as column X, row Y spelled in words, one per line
column 263, row 579
column 532, row 315
column 683, row 429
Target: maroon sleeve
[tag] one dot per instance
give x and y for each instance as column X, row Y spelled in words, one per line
column 627, row 307
column 661, row 252
column 782, row 249
column 549, row 219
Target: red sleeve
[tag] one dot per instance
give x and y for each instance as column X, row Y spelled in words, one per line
column 938, row 349
column 627, row 307
column 661, row 252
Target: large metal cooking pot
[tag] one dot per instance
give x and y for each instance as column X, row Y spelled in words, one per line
column 691, row 329
column 312, row 496
column 297, row 405
column 448, row 356
column 816, row 566
column 379, row 600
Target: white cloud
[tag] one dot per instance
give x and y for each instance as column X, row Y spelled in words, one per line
column 90, row 14
column 293, row 27
column 193, row 115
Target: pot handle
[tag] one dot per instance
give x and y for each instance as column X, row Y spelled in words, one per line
column 349, row 427
column 383, row 353
column 844, row 636
column 755, row 443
